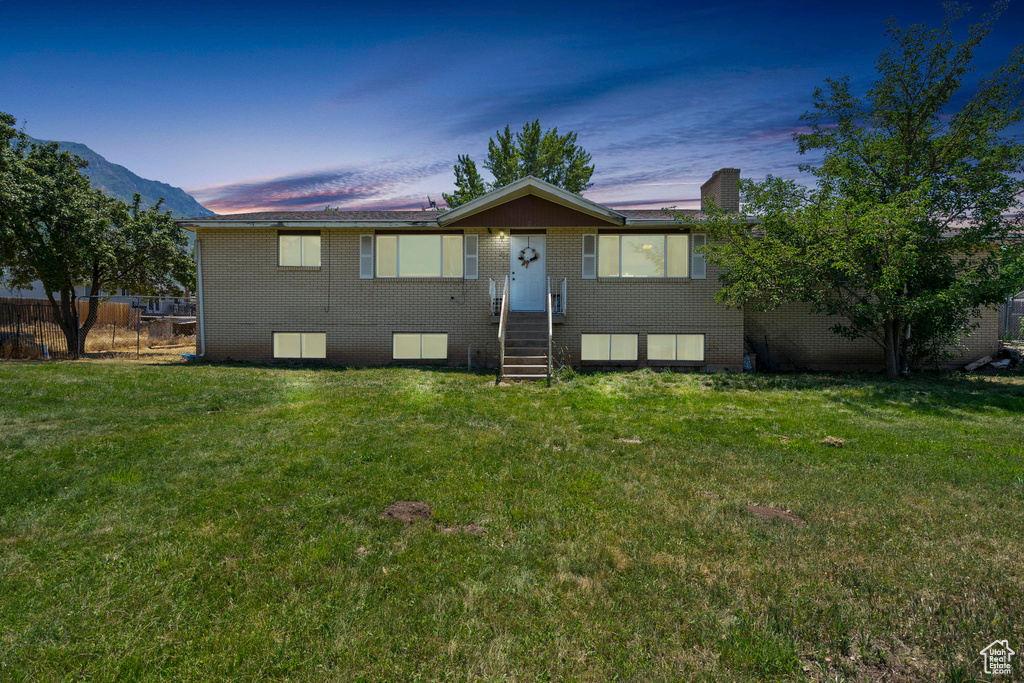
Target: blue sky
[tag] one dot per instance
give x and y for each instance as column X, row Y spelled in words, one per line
column 274, row 105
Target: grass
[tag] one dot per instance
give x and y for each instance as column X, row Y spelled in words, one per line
column 184, row 522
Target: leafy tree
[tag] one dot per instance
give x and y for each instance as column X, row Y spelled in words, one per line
column 56, row 229
column 511, row 156
column 909, row 227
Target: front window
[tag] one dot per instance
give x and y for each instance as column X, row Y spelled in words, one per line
column 298, row 250
column 643, row 255
column 419, row 255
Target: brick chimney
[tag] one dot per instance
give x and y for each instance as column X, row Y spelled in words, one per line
column 724, row 188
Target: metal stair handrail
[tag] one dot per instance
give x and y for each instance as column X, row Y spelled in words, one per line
column 501, row 329
column 551, row 327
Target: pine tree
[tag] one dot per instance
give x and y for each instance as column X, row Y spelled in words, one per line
column 549, row 156
column 469, row 184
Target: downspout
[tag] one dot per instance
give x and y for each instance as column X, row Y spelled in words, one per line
column 199, row 292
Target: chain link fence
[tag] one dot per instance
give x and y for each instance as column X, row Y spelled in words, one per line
column 1011, row 318
column 158, row 328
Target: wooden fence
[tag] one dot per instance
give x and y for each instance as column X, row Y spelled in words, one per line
column 110, row 312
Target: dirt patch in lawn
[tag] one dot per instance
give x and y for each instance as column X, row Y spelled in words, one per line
column 892, row 670
column 833, row 441
column 632, row 439
column 406, row 511
column 768, row 512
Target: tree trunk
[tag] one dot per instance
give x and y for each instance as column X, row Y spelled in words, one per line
column 905, row 353
column 93, row 314
column 892, row 366
column 896, row 349
column 66, row 313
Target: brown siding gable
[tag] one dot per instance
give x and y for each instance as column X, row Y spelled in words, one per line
column 530, row 211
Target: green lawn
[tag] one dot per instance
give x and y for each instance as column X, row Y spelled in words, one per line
column 178, row 522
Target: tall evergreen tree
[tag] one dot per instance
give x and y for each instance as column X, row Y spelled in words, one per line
column 555, row 158
column 502, row 159
column 469, row 184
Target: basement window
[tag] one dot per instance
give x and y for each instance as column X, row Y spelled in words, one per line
column 419, row 346
column 675, row 347
column 608, row 347
column 300, row 345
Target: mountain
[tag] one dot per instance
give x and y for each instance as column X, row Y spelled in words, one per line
column 118, row 181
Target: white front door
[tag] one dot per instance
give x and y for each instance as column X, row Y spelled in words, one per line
column 528, row 273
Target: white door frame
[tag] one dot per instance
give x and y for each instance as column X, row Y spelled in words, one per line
column 528, row 282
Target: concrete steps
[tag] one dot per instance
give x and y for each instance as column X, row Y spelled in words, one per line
column 526, row 347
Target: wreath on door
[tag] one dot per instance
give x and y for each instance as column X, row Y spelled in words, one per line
column 527, row 256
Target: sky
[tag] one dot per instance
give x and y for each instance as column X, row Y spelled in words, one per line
column 255, row 105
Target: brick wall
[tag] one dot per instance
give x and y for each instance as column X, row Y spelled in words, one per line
column 790, row 337
column 247, row 297
column 723, row 187
column 641, row 306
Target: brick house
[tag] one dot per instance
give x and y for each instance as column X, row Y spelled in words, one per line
column 523, row 275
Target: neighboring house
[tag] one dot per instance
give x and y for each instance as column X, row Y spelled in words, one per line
column 628, row 288
column 35, row 290
column 162, row 305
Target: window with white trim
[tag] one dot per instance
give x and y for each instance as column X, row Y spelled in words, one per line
column 609, row 347
column 632, row 255
column 420, row 255
column 300, row 345
column 675, row 347
column 298, row 249
column 419, row 346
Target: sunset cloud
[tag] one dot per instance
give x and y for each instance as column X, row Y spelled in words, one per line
column 259, row 106
column 346, row 188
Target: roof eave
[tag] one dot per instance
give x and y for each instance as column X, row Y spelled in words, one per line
column 685, row 221
column 370, row 223
column 307, row 223
column 536, row 187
